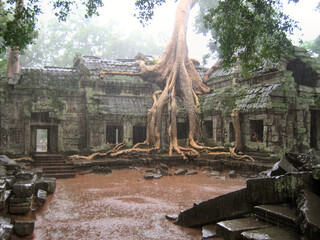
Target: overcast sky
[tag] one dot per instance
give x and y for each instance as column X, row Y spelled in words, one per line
column 122, row 11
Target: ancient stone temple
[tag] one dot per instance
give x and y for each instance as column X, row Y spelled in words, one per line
column 82, row 109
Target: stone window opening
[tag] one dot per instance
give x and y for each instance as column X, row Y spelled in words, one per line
column 182, row 130
column 114, row 134
column 139, row 134
column 256, row 127
column 16, row 137
column 208, row 129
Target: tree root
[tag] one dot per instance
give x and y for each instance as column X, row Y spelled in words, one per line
column 232, row 154
column 115, row 149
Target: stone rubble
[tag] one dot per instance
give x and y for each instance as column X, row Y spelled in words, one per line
column 282, row 205
column 20, row 191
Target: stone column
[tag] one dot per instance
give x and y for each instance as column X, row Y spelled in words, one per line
column 128, row 132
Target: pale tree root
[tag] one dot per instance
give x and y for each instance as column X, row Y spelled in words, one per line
column 232, row 154
column 115, row 149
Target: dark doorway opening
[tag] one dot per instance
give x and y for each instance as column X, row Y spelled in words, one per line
column 256, row 127
column 208, row 129
column 314, row 129
column 114, row 134
column 182, row 130
column 139, row 134
column 232, row 135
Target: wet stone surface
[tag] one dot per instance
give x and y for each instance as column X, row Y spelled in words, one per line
column 124, row 206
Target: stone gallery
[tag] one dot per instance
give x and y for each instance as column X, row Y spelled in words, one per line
column 96, row 102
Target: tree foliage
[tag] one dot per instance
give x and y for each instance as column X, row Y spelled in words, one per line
column 313, row 47
column 18, row 28
column 58, row 42
column 249, row 31
column 245, row 31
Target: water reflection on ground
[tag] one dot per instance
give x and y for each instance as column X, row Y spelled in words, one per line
column 123, row 205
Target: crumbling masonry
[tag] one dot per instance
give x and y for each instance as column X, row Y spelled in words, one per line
column 82, row 109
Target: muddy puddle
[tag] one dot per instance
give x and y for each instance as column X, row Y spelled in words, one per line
column 123, row 205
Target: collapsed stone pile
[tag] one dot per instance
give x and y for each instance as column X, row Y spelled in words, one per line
column 21, row 191
column 285, row 204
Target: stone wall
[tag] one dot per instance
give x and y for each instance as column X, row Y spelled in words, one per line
column 273, row 101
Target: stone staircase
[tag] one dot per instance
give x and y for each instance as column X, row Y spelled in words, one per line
column 54, row 165
column 276, row 221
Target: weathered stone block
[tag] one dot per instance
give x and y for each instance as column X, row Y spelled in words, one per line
column 309, row 211
column 271, row 233
column 280, row 215
column 41, row 197
column 232, row 229
column 23, row 189
column 46, row 184
column 277, row 189
column 180, row 171
column 223, row 207
column 23, row 228
column 6, row 228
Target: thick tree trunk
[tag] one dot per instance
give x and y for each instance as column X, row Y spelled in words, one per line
column 13, row 64
column 177, row 74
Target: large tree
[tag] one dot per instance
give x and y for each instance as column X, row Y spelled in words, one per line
column 243, row 30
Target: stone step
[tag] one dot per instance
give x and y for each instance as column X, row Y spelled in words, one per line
column 61, row 175
column 270, row 233
column 51, row 164
column 54, row 165
column 58, row 170
column 279, row 215
column 232, row 229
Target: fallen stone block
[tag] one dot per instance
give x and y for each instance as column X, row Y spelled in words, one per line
column 214, row 173
column 172, row 217
column 180, row 172
column 232, row 174
column 232, row 229
column 280, row 215
column 23, row 228
column 46, row 184
column 41, row 197
column 270, row 233
column 165, row 172
column 223, row 207
column 209, row 231
column 277, row 189
column 10, row 180
column 148, row 175
column 5, row 203
column 192, row 173
column 303, row 162
column 20, row 205
column 164, row 166
column 6, row 228
column 309, row 214
column 157, row 176
column 101, row 169
column 23, row 189
column 3, row 171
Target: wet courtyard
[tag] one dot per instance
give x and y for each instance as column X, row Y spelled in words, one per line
column 123, row 205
